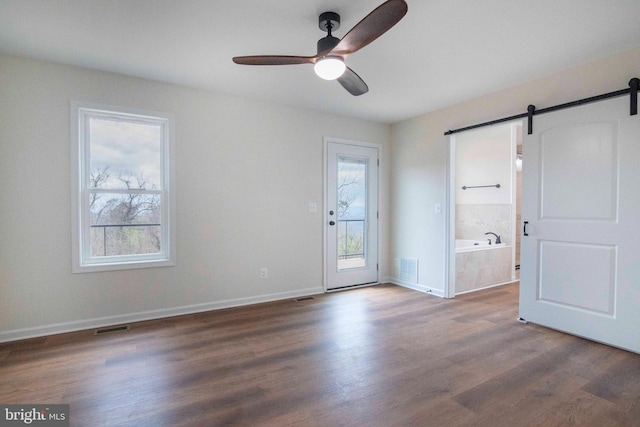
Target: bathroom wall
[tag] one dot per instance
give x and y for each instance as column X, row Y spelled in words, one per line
column 484, row 157
column 472, row 221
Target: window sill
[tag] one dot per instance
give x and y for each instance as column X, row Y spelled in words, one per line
column 118, row 266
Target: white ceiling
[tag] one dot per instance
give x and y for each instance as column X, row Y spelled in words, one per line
column 441, row 53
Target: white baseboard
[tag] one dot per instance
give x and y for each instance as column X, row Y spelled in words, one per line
column 417, row 287
column 59, row 328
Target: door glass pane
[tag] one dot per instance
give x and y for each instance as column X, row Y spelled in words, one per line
column 351, row 210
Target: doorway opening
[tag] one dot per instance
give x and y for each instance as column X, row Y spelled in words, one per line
column 483, row 208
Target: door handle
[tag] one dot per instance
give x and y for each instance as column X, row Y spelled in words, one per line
column 332, row 223
column 524, row 229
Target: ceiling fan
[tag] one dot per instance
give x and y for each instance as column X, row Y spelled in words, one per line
column 332, row 51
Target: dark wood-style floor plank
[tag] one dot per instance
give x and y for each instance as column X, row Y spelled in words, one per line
column 374, row 356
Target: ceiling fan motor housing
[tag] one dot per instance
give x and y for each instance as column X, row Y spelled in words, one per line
column 327, row 43
column 329, row 21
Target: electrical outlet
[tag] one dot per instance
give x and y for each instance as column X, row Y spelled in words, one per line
column 396, row 262
column 264, row 273
column 313, row 207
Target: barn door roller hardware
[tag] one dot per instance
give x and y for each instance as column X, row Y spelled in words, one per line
column 634, row 86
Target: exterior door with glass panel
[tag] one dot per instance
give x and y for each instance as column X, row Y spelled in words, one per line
column 580, row 271
column 351, row 215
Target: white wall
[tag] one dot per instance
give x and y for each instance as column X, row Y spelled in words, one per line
column 245, row 174
column 419, row 154
column 484, row 157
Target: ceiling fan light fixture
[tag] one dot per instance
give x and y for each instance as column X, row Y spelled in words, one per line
column 330, row 67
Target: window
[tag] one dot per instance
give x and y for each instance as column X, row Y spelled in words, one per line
column 122, row 181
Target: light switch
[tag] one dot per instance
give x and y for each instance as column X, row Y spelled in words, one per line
column 438, row 208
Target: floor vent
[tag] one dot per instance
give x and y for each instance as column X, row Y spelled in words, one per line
column 113, row 329
column 303, row 299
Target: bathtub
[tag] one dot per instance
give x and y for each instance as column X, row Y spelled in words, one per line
column 480, row 265
column 463, row 245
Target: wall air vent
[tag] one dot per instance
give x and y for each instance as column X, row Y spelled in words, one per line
column 409, row 270
column 303, row 299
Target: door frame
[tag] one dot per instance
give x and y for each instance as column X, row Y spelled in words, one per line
column 325, row 215
column 450, row 223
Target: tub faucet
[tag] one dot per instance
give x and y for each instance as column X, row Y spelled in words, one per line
column 498, row 241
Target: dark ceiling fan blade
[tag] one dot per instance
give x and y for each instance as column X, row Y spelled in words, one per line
column 372, row 26
column 353, row 83
column 274, row 60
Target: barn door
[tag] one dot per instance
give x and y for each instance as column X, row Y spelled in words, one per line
column 580, row 266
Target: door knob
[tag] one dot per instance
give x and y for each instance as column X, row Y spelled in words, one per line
column 332, row 223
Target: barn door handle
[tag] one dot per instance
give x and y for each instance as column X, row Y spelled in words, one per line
column 524, row 230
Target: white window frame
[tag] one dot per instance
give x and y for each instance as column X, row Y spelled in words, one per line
column 82, row 261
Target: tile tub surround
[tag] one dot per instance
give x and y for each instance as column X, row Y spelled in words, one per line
column 479, row 269
column 472, row 221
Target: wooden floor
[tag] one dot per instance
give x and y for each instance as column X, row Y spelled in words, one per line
column 376, row 356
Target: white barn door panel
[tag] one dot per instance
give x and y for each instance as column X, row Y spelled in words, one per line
column 580, row 265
